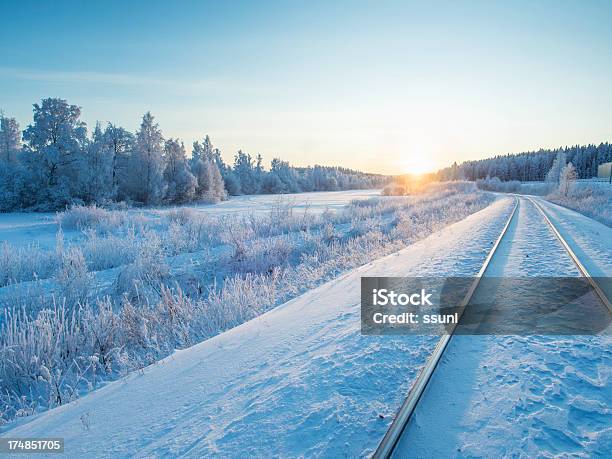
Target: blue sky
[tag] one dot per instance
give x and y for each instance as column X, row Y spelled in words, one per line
column 386, row 87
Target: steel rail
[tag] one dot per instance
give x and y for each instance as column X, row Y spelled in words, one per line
column 600, row 293
column 393, row 434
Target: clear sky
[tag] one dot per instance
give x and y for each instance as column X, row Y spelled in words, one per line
column 379, row 86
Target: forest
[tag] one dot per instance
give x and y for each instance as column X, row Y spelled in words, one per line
column 530, row 166
column 55, row 163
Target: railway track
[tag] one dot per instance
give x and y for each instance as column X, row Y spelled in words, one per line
column 393, row 434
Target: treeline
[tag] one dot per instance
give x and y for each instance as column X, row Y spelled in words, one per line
column 54, row 163
column 530, row 166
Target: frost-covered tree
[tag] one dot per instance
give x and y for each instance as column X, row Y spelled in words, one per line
column 121, row 143
column 60, row 165
column 232, row 183
column 146, row 163
column 207, row 152
column 216, row 191
column 272, row 184
column 554, row 173
column 211, row 187
column 11, row 172
column 244, row 170
column 98, row 171
column 259, row 171
column 180, row 182
column 205, row 166
column 55, row 144
column 567, row 179
column 286, row 175
column 201, row 172
column 10, row 139
column 203, row 151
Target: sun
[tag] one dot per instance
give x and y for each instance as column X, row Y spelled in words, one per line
column 418, row 164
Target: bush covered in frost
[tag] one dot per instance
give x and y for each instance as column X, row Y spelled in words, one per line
column 592, row 199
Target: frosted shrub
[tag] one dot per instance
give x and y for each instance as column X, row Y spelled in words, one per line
column 281, row 211
column 189, row 237
column 20, row 264
column 38, row 354
column 240, row 299
column 99, row 220
column 536, row 188
column 182, row 215
column 238, row 235
column 361, row 226
column 177, row 239
column 394, row 190
column 84, row 217
column 134, row 325
column 72, row 277
column 495, row 184
column 102, row 333
column 262, row 255
column 110, row 250
column 370, row 202
column 584, row 198
column 328, row 232
column 145, row 274
column 173, row 316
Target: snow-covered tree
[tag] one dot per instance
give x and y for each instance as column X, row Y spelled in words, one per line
column 554, row 173
column 286, row 175
column 180, row 182
column 245, row 173
column 205, row 166
column 567, row 179
column 146, row 163
column 60, row 165
column 98, row 172
column 121, row 143
column 203, row 151
column 11, row 172
column 232, row 183
column 55, row 144
column 10, row 139
column 216, row 191
column 272, row 184
column 210, row 184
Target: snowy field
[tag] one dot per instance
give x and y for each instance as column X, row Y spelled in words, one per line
column 281, row 367
column 298, row 380
column 119, row 290
column 316, row 202
column 21, row 228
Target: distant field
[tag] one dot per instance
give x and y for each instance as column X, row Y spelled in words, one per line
column 23, row 228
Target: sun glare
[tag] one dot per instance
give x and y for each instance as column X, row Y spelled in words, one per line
column 418, row 165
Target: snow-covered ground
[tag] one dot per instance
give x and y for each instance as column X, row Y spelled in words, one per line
column 41, row 228
column 317, row 201
column 28, row 228
column 301, row 379
column 134, row 288
column 524, row 396
column 298, row 380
